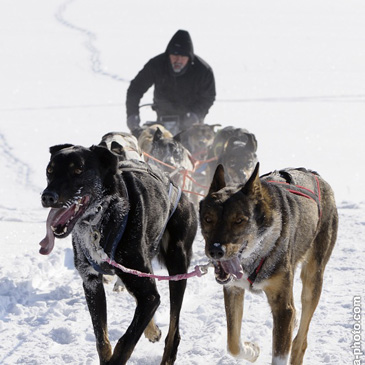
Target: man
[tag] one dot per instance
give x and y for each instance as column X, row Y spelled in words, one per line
column 184, row 86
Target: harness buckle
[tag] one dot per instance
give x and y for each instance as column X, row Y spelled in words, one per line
column 203, row 269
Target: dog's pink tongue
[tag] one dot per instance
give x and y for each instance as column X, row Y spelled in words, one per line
column 233, row 267
column 47, row 243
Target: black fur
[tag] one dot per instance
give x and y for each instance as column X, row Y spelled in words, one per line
column 109, row 191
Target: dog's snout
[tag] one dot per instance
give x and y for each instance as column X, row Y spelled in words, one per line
column 49, row 198
column 216, row 251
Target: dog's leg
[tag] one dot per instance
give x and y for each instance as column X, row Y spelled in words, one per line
column 152, row 332
column 177, row 260
column 312, row 279
column 177, row 263
column 280, row 296
column 118, row 285
column 177, row 290
column 95, row 298
column 175, row 252
column 233, row 302
column 148, row 300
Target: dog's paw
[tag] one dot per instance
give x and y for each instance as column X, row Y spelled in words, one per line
column 249, row 351
column 107, row 279
column 152, row 332
column 118, row 286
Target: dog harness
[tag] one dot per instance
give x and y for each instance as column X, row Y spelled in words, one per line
column 314, row 195
column 96, row 236
column 113, row 246
column 297, row 190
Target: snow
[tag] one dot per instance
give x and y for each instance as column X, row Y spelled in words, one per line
column 290, row 72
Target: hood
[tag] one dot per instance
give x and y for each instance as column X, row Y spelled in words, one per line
column 181, row 44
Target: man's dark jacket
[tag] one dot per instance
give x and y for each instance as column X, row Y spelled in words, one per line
column 192, row 90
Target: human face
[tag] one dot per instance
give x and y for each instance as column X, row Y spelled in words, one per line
column 178, row 62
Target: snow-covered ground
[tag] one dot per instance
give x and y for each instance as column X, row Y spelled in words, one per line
column 290, row 72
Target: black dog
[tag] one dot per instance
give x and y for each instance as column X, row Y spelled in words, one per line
column 130, row 213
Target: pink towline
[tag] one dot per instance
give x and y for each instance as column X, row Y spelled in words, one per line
column 199, row 271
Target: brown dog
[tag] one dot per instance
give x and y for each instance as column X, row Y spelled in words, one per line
column 145, row 139
column 256, row 234
column 198, row 139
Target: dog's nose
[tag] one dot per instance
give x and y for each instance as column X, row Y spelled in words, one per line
column 49, row 198
column 216, row 251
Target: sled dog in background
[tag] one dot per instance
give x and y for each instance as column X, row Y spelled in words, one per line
column 235, row 149
column 125, row 145
column 128, row 212
column 145, row 138
column 198, row 139
column 173, row 158
column 256, row 234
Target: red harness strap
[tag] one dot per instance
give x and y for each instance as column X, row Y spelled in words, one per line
column 298, row 190
column 303, row 191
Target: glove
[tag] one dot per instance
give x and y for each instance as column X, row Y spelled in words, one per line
column 133, row 122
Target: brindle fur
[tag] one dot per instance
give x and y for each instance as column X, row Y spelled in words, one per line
column 261, row 219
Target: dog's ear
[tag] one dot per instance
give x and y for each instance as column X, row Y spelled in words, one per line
column 157, row 135
column 118, row 149
column 252, row 140
column 177, row 137
column 59, row 147
column 103, row 144
column 108, row 160
column 253, row 185
column 218, row 181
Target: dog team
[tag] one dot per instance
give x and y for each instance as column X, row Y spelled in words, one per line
column 123, row 211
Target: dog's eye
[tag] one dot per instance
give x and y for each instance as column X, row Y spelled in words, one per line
column 49, row 170
column 240, row 220
column 208, row 219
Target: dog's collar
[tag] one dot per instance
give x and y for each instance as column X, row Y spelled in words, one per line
column 251, row 279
